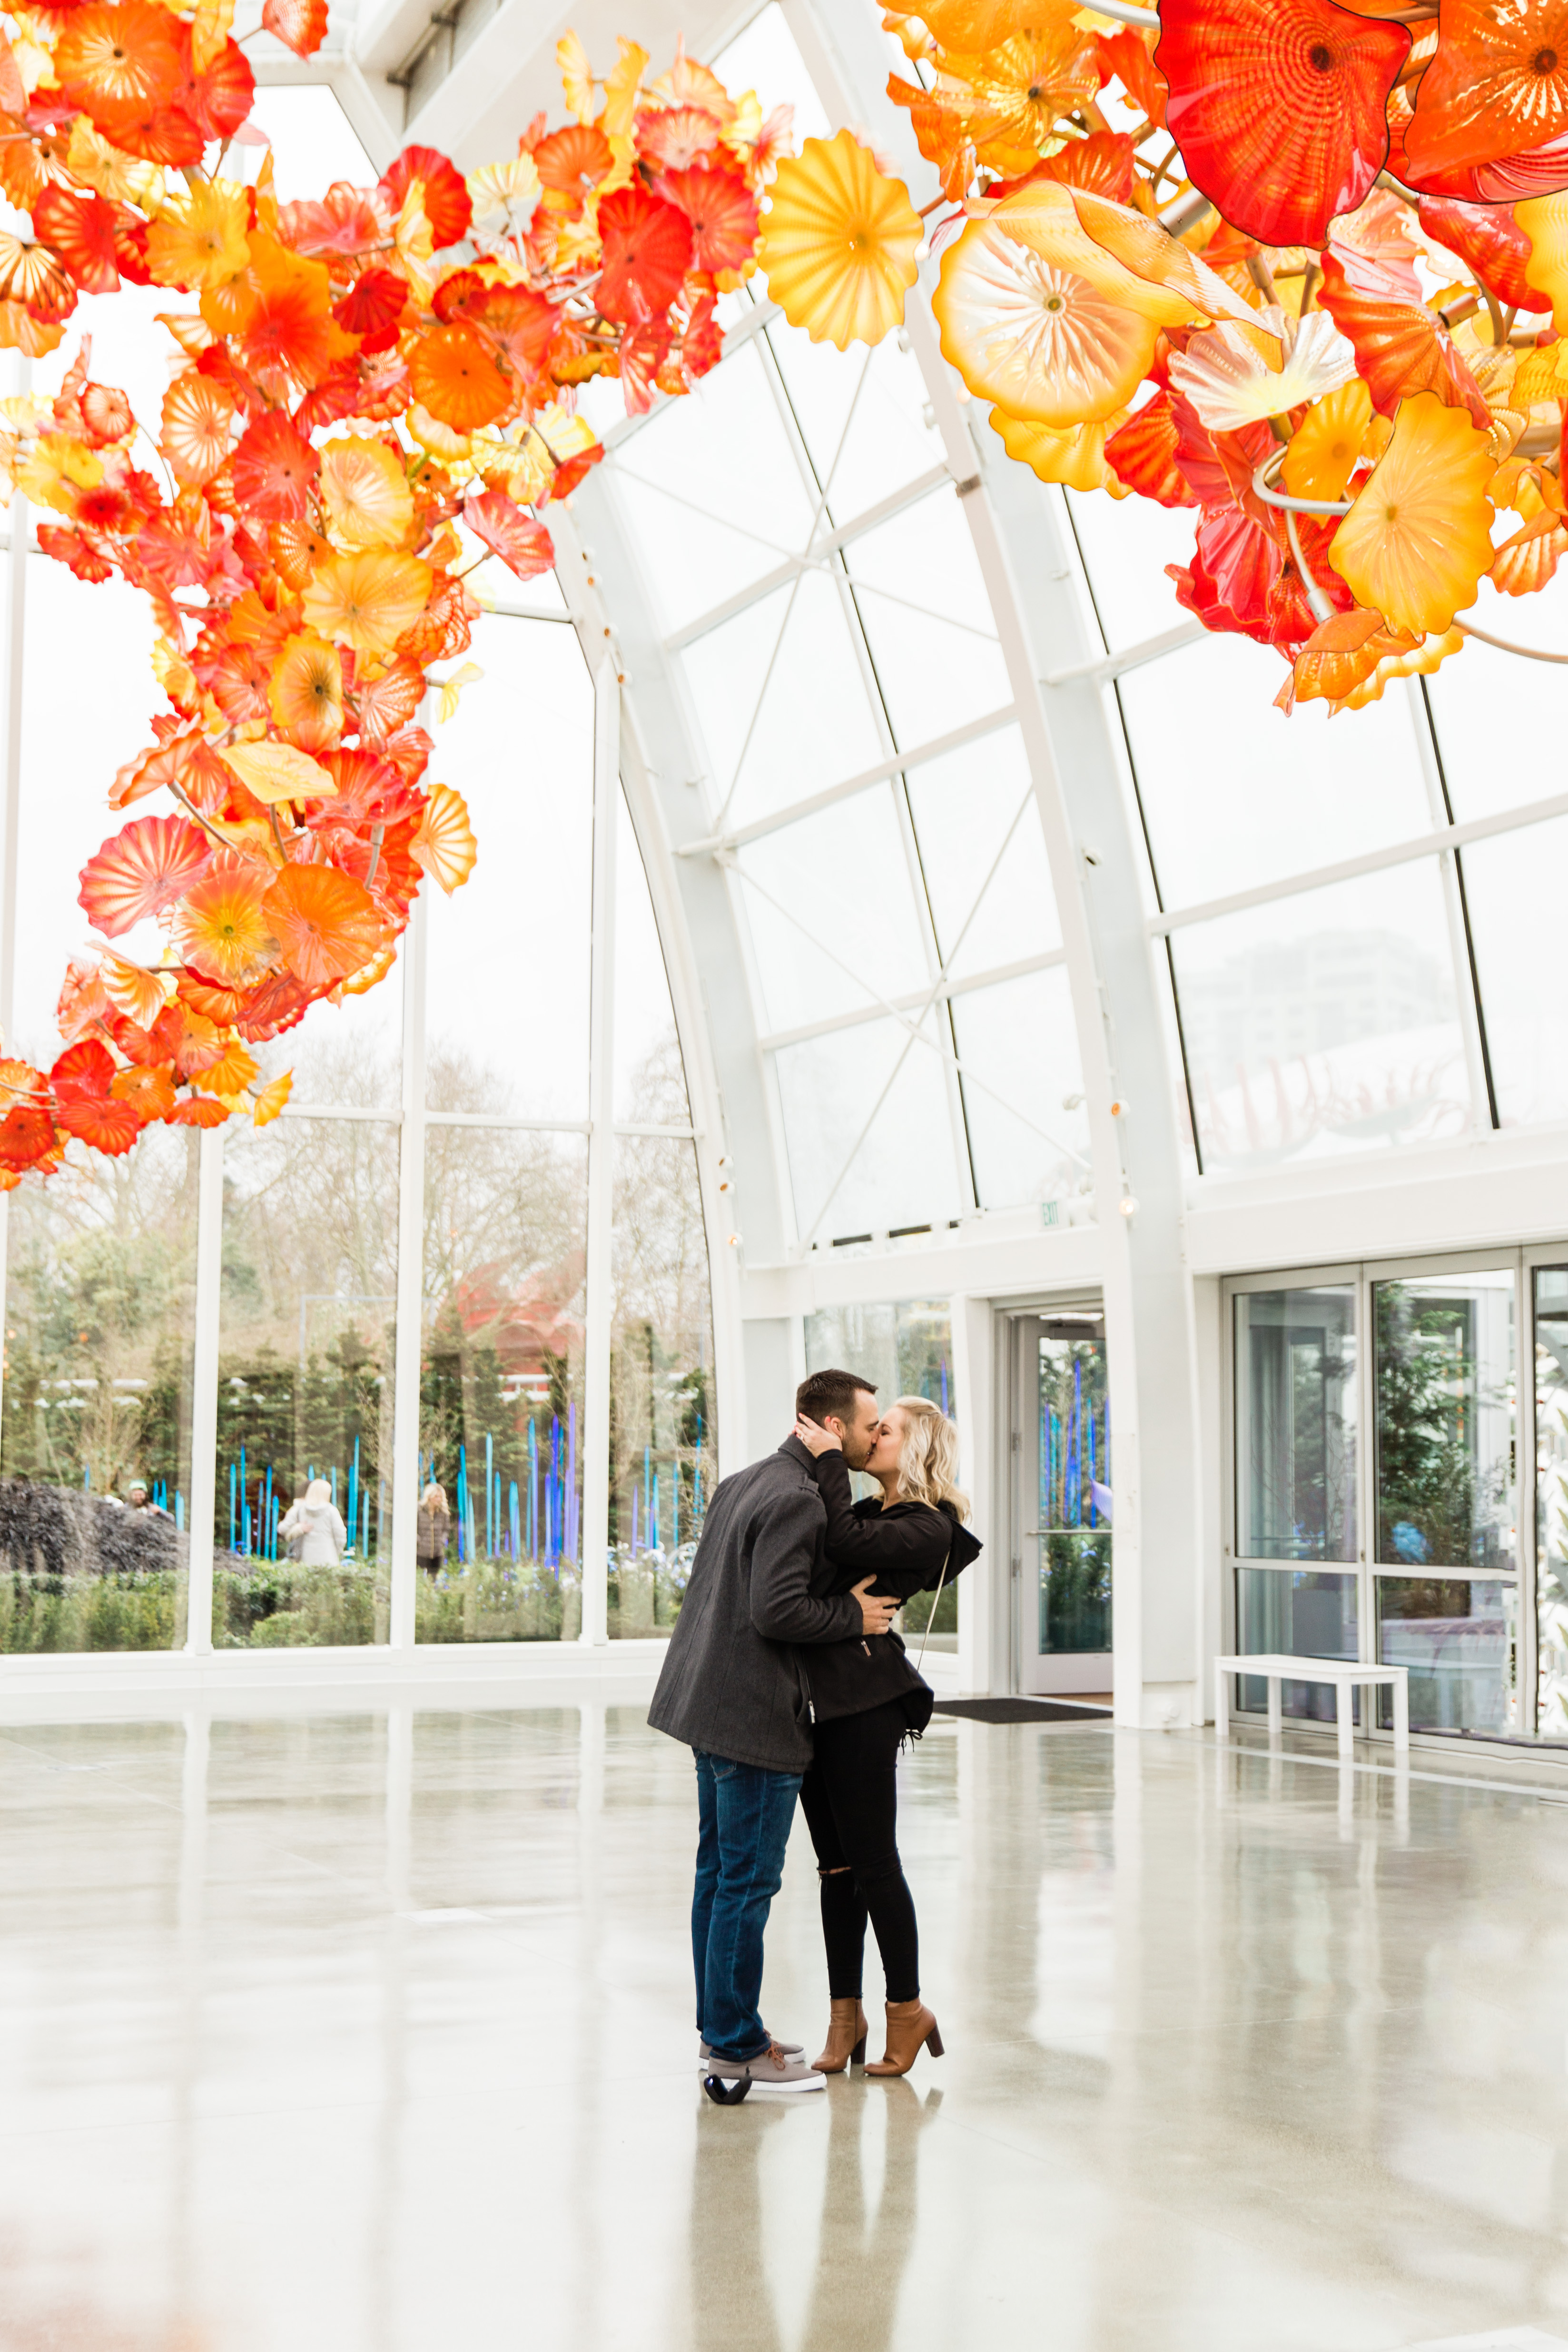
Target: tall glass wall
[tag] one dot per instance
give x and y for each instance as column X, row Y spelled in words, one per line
column 904, row 1348
column 96, row 1472
column 811, row 567
column 1436, row 1393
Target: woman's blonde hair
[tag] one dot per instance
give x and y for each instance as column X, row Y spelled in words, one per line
column 928, row 1458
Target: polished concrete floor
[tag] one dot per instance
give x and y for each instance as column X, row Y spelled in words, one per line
column 371, row 2031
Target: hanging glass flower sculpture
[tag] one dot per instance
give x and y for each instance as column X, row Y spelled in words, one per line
column 1300, row 265
column 373, row 392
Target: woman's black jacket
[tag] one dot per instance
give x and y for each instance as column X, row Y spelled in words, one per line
column 905, row 1548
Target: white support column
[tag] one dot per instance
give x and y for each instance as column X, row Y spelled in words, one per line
column 410, row 1288
column 11, row 817
column 1095, row 871
column 204, row 1405
column 595, row 1443
column 11, row 809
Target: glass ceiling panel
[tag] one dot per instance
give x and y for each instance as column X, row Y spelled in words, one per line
column 715, row 491
column 928, row 620
column 966, row 813
column 1515, row 889
column 1019, row 1051
column 1126, row 545
column 902, row 1172
column 864, row 418
column 846, row 874
column 783, row 702
column 507, row 1019
column 1235, row 794
column 1324, row 1024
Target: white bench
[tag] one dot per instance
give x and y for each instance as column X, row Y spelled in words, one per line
column 1344, row 1673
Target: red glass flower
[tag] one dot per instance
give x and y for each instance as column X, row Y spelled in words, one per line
column 1278, row 107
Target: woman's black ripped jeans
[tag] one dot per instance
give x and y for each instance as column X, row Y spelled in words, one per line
column 850, row 1801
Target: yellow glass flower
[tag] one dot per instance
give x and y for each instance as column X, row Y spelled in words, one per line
column 1419, row 662
column 365, row 498
column 1415, row 544
column 1010, row 97
column 1075, row 457
column 199, row 239
column 1322, row 457
column 839, row 243
column 1042, row 342
column 1129, row 257
column 367, row 600
column 1544, row 220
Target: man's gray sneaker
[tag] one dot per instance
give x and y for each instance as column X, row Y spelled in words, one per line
column 772, row 2069
column 705, row 2054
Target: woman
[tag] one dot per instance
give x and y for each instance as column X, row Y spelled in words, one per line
column 432, row 1529
column 866, row 1699
column 315, row 1527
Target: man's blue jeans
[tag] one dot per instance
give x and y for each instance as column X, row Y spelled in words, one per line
column 743, row 1816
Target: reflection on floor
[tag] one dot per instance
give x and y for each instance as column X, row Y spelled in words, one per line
column 372, row 2032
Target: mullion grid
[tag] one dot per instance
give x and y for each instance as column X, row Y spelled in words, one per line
column 1467, row 984
column 909, row 831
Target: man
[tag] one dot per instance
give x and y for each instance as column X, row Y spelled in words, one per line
column 141, row 1501
column 733, row 1690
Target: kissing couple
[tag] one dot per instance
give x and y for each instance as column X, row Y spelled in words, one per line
column 786, row 1677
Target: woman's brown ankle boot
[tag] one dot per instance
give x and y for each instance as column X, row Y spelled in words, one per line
column 910, row 2028
column 846, row 2038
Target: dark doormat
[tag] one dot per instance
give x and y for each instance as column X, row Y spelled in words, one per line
column 1021, row 1710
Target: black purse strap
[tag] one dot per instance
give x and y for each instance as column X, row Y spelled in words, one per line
column 930, row 1620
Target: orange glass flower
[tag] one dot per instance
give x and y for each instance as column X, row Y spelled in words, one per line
column 325, row 922
column 197, row 417
column 456, row 379
column 1278, row 107
column 307, row 692
column 274, row 467
column 1497, row 85
column 120, row 57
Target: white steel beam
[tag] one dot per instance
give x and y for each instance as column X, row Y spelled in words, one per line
column 204, row 1396
column 410, row 1287
column 600, row 1278
column 897, row 764
column 1372, row 861
column 814, row 559
column 703, row 952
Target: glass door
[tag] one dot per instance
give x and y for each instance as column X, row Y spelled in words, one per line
column 1295, row 1479
column 1376, row 1425
column 1064, row 1503
column 1447, row 1509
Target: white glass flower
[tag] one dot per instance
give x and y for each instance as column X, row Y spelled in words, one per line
column 1230, row 375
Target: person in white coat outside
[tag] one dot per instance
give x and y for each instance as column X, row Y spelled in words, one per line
column 315, row 1525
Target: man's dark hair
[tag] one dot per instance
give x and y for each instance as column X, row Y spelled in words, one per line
column 831, row 1393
